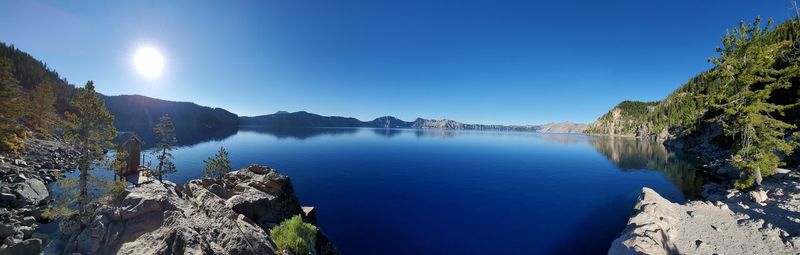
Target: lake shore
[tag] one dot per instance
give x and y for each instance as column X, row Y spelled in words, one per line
column 244, row 206
column 231, row 215
column 760, row 221
column 24, row 194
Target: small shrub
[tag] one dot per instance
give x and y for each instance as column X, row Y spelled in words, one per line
column 116, row 191
column 295, row 236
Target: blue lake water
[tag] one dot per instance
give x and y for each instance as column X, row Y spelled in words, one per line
column 383, row 191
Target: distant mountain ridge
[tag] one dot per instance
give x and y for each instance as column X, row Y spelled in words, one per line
column 139, row 114
column 283, row 119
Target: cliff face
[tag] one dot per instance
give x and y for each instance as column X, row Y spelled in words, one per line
column 629, row 118
column 206, row 216
column 562, row 127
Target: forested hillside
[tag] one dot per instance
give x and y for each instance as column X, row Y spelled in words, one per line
column 139, row 114
column 30, row 73
column 745, row 108
column 35, row 98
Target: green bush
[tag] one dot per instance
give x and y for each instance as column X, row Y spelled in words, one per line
column 116, row 191
column 295, row 236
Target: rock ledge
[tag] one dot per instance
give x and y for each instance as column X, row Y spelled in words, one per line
column 206, row 216
column 739, row 223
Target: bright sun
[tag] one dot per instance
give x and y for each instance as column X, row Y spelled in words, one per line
column 148, row 62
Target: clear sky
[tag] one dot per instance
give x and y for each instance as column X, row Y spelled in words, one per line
column 494, row 62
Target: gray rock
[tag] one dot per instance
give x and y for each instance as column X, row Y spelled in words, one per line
column 32, row 191
column 20, row 163
column 28, row 220
column 28, row 247
column 7, row 230
column 758, row 196
column 26, row 231
column 7, row 199
column 206, row 216
column 659, row 226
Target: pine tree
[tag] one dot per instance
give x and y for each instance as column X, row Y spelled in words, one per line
column 218, row 166
column 92, row 126
column 11, row 134
column 91, row 129
column 746, row 66
column 41, row 110
column 166, row 132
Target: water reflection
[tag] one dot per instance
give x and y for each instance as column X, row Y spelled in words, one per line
column 630, row 154
column 299, row 133
column 387, row 132
column 627, row 154
column 185, row 137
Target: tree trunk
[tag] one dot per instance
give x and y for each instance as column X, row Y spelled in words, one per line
column 757, row 176
column 161, row 164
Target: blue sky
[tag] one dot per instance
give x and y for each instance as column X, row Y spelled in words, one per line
column 499, row 62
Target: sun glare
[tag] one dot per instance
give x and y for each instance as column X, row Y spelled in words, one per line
column 148, row 62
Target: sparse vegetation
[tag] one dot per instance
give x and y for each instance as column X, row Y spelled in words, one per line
column 165, row 131
column 295, row 236
column 219, row 165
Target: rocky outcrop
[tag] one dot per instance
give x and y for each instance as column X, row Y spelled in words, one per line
column 562, row 127
column 626, row 119
column 23, row 191
column 731, row 222
column 232, row 215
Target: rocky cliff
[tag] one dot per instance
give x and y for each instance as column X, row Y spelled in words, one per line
column 232, row 215
column 629, row 118
column 731, row 222
column 562, row 127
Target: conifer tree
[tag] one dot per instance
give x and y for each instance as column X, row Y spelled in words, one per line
column 11, row 134
column 747, row 67
column 41, row 110
column 92, row 126
column 165, row 130
column 218, row 166
column 91, row 129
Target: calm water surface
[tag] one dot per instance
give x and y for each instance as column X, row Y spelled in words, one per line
column 383, row 191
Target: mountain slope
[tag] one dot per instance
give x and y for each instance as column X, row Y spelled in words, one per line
column 625, row 119
column 139, row 114
column 298, row 119
column 746, row 109
column 30, row 72
column 303, row 119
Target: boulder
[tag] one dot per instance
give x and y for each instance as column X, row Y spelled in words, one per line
column 32, row 191
column 7, row 230
column 31, row 246
column 647, row 229
column 758, row 196
column 6, row 199
column 20, row 163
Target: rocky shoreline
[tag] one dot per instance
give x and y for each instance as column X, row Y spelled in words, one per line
column 231, row 215
column 762, row 221
column 24, row 194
